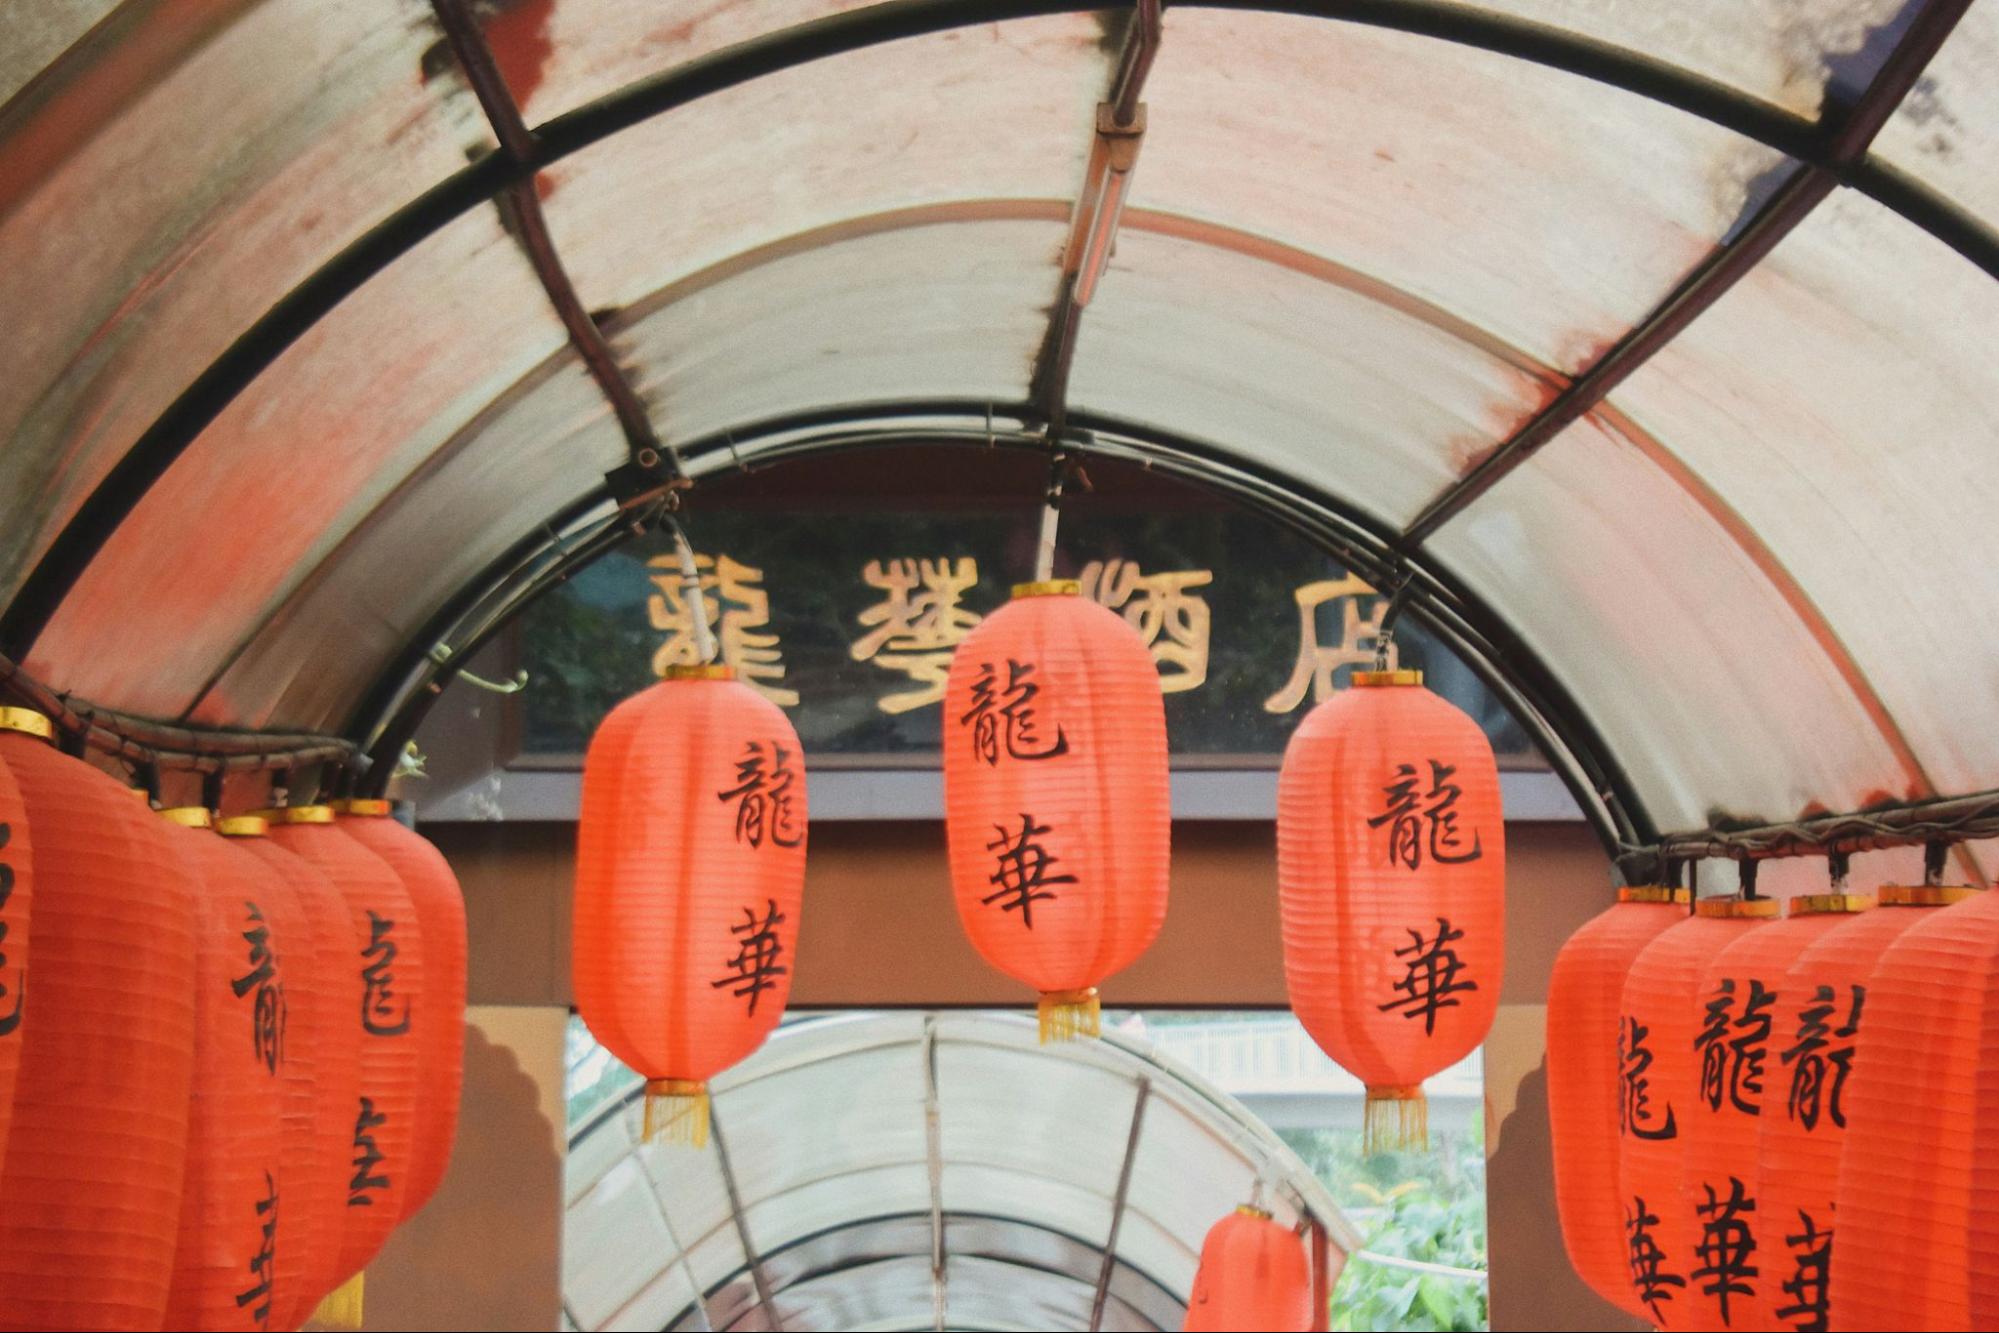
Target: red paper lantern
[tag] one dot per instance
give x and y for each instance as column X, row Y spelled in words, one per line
column 17, row 897
column 1391, row 867
column 323, row 1063
column 385, row 950
column 1584, row 995
column 1903, row 1205
column 226, row 1262
column 440, row 1023
column 1056, row 797
column 690, row 871
column 90, row 1193
column 1659, row 1082
column 1741, row 1051
column 1253, row 1275
column 1805, row 1114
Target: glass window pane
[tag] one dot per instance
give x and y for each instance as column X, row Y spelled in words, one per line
column 1843, row 400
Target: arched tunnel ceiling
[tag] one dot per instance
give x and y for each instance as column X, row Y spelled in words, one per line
column 1358, row 257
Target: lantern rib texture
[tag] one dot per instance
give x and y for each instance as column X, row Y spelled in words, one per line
column 1057, row 797
column 17, row 899
column 1253, row 1275
column 91, row 1191
column 1391, row 859
column 690, row 873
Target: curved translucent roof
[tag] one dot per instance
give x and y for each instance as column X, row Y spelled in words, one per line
column 288, row 399
column 951, row 1135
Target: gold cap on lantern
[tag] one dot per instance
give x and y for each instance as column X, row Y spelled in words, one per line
column 1815, row 904
column 187, row 816
column 1251, row 1210
column 1049, row 588
column 243, row 826
column 699, row 671
column 1653, row 893
column 298, row 814
column 1727, row 908
column 363, row 807
column 1363, row 680
column 28, row 722
column 1926, row 895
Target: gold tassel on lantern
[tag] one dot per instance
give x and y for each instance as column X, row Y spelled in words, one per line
column 342, row 1306
column 1070, row 1015
column 1397, row 1119
column 677, row 1111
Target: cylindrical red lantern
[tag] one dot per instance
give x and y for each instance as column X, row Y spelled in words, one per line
column 90, row 1193
column 440, row 1023
column 323, row 1064
column 1391, row 869
column 227, row 1260
column 1740, row 1052
column 17, row 898
column 385, row 950
column 1659, row 1082
column 690, row 872
column 1903, row 1206
column 1584, row 995
column 1253, row 1275
column 1056, row 797
column 1805, row 1112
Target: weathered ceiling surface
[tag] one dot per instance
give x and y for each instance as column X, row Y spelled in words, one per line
column 1656, row 341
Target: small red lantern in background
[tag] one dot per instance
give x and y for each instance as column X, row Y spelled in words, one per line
column 1253, row 1275
column 1740, row 1048
column 1584, row 995
column 91, row 1190
column 17, row 898
column 440, row 1023
column 690, row 874
column 1056, row 797
column 1804, row 1121
column 1903, row 1210
column 385, row 950
column 1658, row 1084
column 226, row 1273
column 1391, row 865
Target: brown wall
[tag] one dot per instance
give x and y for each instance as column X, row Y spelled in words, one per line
column 880, row 929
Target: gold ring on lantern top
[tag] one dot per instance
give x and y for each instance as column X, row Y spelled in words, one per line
column 1049, row 588
column 1926, row 895
column 1818, row 904
column 298, row 814
column 1653, row 893
column 28, row 722
column 187, row 816
column 699, row 671
column 1737, row 908
column 1251, row 1210
column 363, row 807
column 1362, row 680
column 243, row 826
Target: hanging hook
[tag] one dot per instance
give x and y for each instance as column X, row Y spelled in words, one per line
column 1747, row 874
column 1399, row 580
column 691, row 595
column 1837, row 862
column 1935, row 855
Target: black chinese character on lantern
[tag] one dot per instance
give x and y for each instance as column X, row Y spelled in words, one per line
column 367, row 1157
column 379, row 1015
column 1426, row 821
column 1021, row 870
column 1810, row 1283
column 1634, row 1085
column 1726, row 1245
column 1650, row 1278
column 1431, row 975
column 754, row 969
column 1002, row 718
column 764, row 777
column 267, row 1014
column 1732, row 1066
column 1815, row 1056
column 263, row 1264
column 14, row 987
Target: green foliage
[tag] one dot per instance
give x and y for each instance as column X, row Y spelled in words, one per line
column 1427, row 1206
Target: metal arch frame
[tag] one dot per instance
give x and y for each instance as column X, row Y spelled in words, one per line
column 132, row 476
column 392, row 712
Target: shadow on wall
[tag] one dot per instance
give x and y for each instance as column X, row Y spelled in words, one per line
column 1525, row 1234
column 484, row 1253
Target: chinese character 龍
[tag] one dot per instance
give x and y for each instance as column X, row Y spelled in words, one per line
column 737, row 607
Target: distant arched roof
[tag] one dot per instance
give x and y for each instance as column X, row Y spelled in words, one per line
column 1654, row 343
